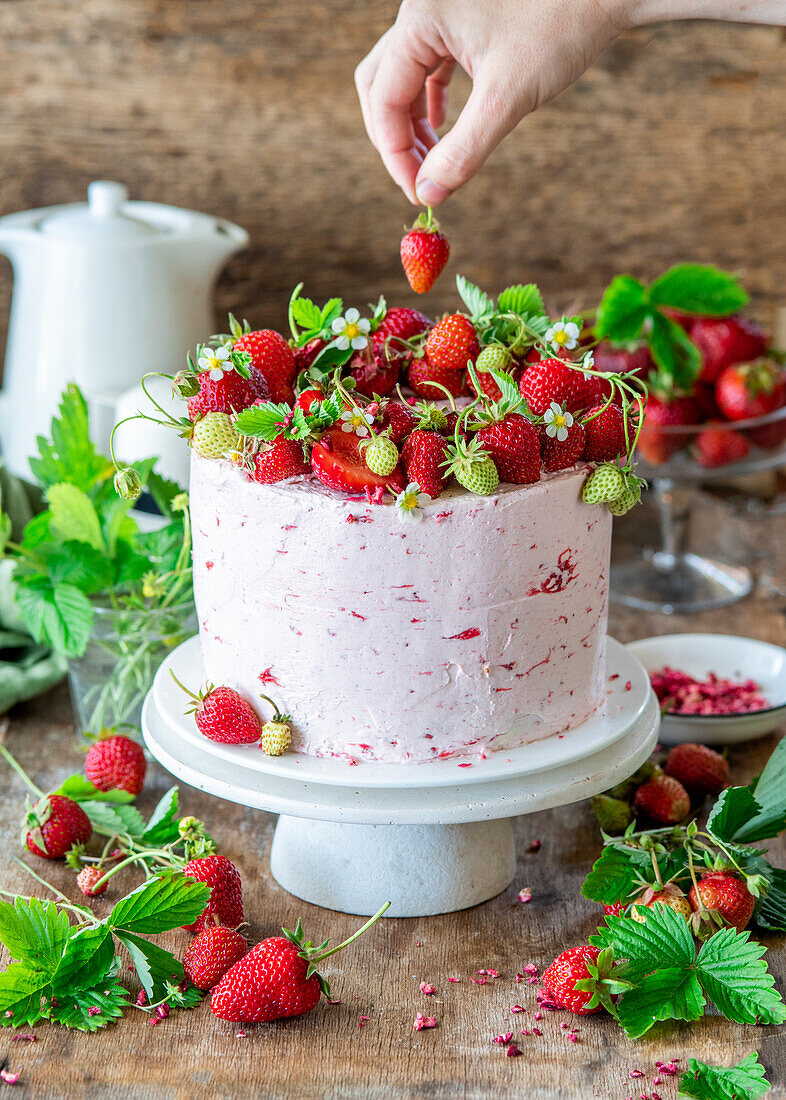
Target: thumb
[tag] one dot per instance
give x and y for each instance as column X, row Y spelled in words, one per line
column 489, row 115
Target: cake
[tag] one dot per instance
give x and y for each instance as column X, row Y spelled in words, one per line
column 405, row 581
column 481, row 628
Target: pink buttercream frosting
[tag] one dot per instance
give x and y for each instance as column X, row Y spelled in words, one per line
column 480, row 628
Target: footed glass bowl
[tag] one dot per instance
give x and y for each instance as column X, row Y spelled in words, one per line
column 671, row 578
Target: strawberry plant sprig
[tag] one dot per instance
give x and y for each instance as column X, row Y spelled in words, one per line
column 746, row 1080
column 629, row 311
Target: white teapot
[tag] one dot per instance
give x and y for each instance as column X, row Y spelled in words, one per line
column 104, row 291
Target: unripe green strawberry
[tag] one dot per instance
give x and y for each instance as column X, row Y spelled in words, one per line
column 629, row 499
column 381, row 455
column 277, row 733
column 214, row 434
column 478, row 475
column 604, row 485
column 613, row 814
column 128, row 484
column 494, row 357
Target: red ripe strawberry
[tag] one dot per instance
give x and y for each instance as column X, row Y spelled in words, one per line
column 116, row 764
column 272, row 362
column 399, row 323
column 636, row 361
column 663, row 799
column 587, row 966
column 228, row 394
column 306, row 355
column 725, row 894
column 338, row 463
column 222, row 714
column 552, row 380
column 559, row 454
column 210, row 954
column 754, row 389
column 719, row 447
column 226, row 892
column 424, row 253
column 375, row 372
column 487, row 384
column 514, row 446
column 399, row 418
column 701, row 770
column 605, row 433
column 266, row 984
column 769, row 436
column 423, row 371
column 452, row 343
column 724, row 341
column 282, row 459
column 306, row 398
column 54, row 825
column 423, row 455
column 452, row 419
column 88, row 877
column 617, row 907
column 658, row 445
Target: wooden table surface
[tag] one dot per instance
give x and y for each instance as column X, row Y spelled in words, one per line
column 327, row 1053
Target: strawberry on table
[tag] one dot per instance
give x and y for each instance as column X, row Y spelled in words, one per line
column 670, row 896
column 278, row 461
column 337, row 460
column 54, row 825
column 723, row 893
column 663, row 799
column 211, row 953
column 116, row 763
column 582, row 980
column 226, row 892
column 701, row 770
column 424, row 252
column 452, row 343
column 277, row 978
column 88, row 879
column 750, row 390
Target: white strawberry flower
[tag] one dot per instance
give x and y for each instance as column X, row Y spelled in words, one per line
column 557, row 420
column 216, row 361
column 564, row 334
column 357, row 421
column 411, row 502
column 351, row 330
column 588, row 363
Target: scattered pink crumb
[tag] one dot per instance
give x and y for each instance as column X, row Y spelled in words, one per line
column 465, row 765
column 680, row 693
column 8, row 1077
column 503, row 1038
column 513, row 1051
column 94, row 1010
column 538, row 1015
column 536, row 1031
column 573, row 1037
column 422, row 1022
column 31, row 1038
column 523, row 1031
column 429, row 990
column 656, row 1080
column 363, row 1020
column 240, row 1034
column 530, row 968
column 479, row 981
column 525, row 895
column 337, row 1001
column 636, row 1073
column 490, row 973
column 519, row 977
column 628, row 685
column 534, row 846
column 517, row 1008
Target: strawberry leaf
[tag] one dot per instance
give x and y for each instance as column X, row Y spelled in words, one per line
column 698, row 288
column 167, row 901
column 21, row 991
column 307, row 314
column 88, row 957
column 330, row 311
column 262, row 421
column 745, row 1081
column 614, row 874
column 671, row 993
column 735, row 977
column 73, row 515
column 154, row 966
column 769, row 791
column 59, row 615
column 162, row 828
column 70, row 454
column 108, row 819
column 78, row 1011
column 80, row 789
column 478, row 303
column 521, row 299
column 735, row 808
column 662, row 939
column 34, row 932
column 674, row 352
column 511, row 398
column 623, row 309
column 772, row 914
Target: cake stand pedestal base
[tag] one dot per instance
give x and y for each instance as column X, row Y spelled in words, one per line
column 421, row 869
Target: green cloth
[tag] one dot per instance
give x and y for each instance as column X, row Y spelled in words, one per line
column 26, row 667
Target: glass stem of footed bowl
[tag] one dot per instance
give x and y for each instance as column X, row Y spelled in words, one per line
column 674, row 506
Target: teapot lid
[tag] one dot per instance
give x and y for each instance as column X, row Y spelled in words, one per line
column 102, row 216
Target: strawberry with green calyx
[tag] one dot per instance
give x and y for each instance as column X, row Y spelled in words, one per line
column 215, row 436
column 53, row 824
column 277, row 978
column 128, row 483
column 276, row 732
column 668, row 894
column 381, row 454
column 509, row 438
column 750, row 390
column 342, row 333
column 398, row 326
column 493, row 357
column 630, row 496
column 469, row 463
column 604, row 485
column 585, row 980
column 614, row 814
column 424, row 252
column 222, row 714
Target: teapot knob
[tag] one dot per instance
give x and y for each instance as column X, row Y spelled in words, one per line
column 105, row 198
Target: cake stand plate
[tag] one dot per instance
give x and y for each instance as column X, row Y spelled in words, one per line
column 427, row 849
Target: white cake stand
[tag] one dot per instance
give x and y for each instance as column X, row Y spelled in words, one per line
column 430, row 838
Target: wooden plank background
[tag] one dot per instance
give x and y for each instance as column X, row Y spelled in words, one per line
column 670, row 147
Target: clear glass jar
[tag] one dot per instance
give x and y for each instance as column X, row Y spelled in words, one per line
column 108, row 684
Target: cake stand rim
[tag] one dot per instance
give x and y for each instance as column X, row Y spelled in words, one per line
column 430, row 773
column 426, row 805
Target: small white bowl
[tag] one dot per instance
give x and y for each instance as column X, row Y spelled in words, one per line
column 725, row 655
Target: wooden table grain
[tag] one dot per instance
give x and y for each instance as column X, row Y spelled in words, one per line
column 328, row 1053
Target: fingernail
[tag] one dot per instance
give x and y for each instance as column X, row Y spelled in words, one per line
column 430, row 193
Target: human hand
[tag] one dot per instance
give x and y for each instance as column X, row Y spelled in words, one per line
column 518, row 53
